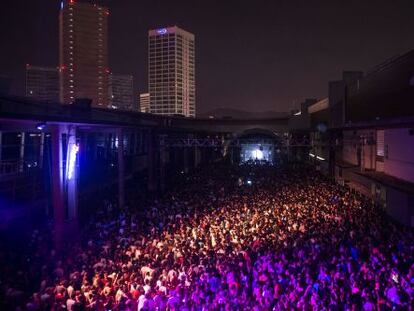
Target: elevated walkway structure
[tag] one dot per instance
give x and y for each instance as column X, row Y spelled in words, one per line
column 73, row 146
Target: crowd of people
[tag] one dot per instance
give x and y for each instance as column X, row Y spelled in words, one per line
column 289, row 239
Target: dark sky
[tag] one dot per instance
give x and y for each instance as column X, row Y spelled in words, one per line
column 250, row 54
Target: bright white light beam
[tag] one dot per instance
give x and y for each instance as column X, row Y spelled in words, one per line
column 73, row 151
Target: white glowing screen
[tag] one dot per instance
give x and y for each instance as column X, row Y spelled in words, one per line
column 257, row 154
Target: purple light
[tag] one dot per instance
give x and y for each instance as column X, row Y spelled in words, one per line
column 162, row 31
column 61, row 5
column 73, row 151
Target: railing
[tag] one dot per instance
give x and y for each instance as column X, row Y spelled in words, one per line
column 10, row 167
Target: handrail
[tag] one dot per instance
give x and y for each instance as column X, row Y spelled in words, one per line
column 8, row 167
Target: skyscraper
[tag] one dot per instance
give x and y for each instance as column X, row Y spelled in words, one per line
column 42, row 83
column 83, row 52
column 144, row 102
column 171, row 71
column 121, row 92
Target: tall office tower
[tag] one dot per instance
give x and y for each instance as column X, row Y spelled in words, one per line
column 121, row 92
column 171, row 71
column 83, row 52
column 42, row 83
column 144, row 102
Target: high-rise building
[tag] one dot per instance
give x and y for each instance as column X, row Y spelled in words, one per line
column 83, row 52
column 42, row 83
column 121, row 92
column 144, row 102
column 171, row 71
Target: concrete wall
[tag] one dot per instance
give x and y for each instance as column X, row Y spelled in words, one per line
column 399, row 154
column 352, row 143
column 350, row 147
column 400, row 206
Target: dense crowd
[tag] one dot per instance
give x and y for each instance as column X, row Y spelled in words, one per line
column 229, row 238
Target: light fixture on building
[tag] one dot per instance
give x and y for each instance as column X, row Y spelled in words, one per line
column 73, row 151
column 41, row 126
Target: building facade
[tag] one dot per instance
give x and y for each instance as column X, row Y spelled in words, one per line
column 121, row 92
column 144, row 102
column 172, row 72
column 83, row 53
column 362, row 135
column 42, row 83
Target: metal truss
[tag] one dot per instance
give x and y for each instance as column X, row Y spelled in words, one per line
column 218, row 142
column 191, row 142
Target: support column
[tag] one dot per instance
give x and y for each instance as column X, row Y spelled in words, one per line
column 57, row 183
column 186, row 159
column 197, row 157
column 1, row 136
column 22, row 142
column 41, row 149
column 163, row 161
column 152, row 163
column 121, row 169
column 362, row 144
column 288, row 148
column 136, row 141
column 72, row 174
column 64, row 183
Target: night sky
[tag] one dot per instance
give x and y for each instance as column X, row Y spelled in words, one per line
column 252, row 55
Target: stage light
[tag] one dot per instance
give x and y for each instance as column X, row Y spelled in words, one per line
column 73, row 151
column 249, row 182
column 41, row 126
column 320, row 158
column 257, row 154
column 312, row 155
